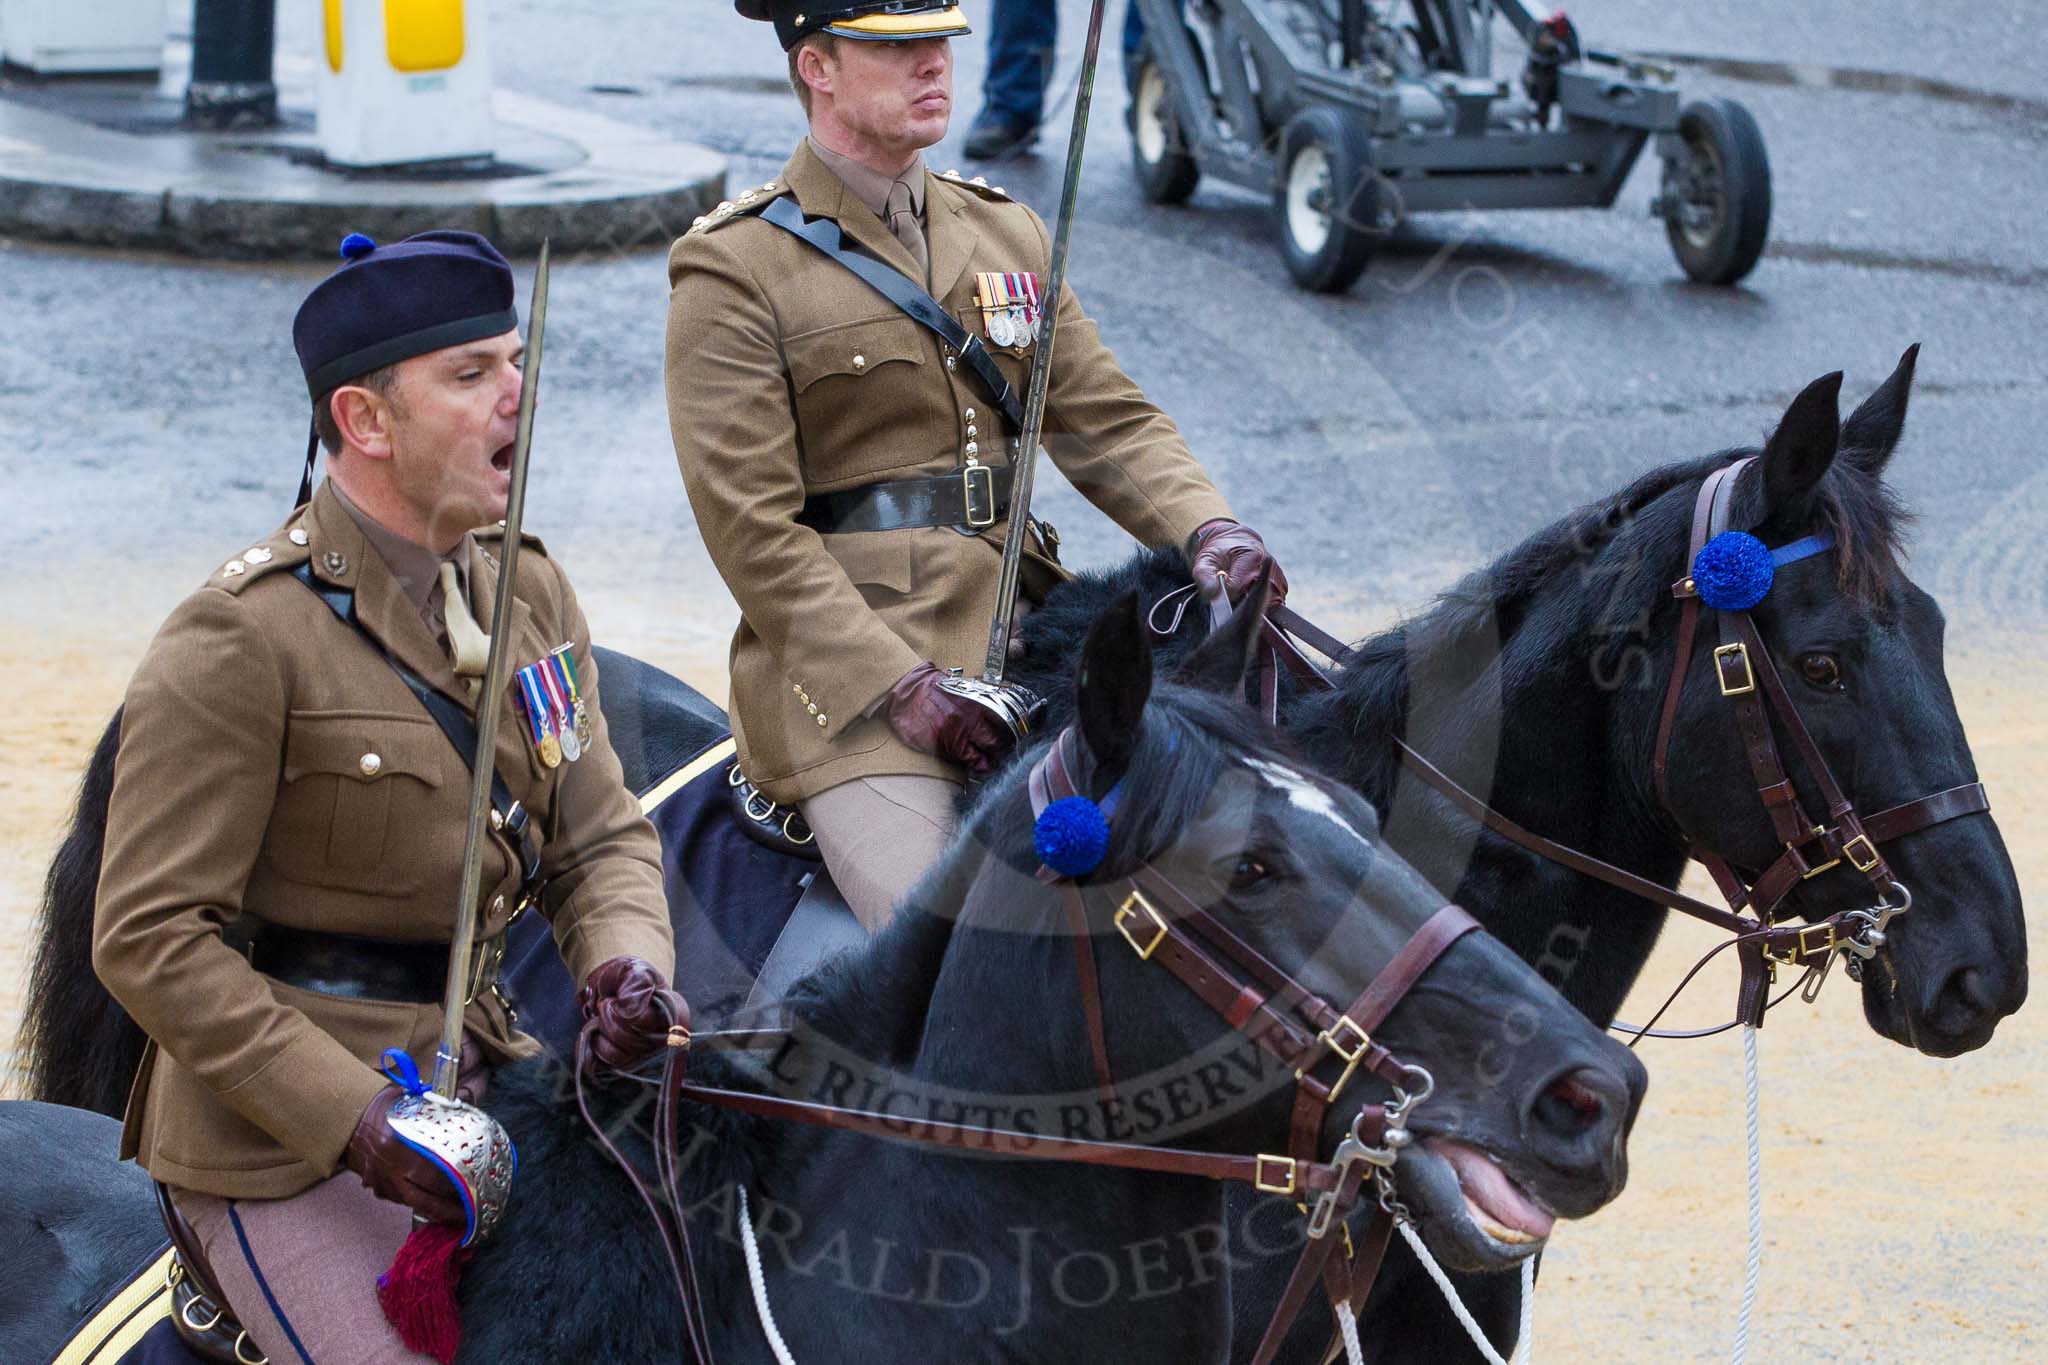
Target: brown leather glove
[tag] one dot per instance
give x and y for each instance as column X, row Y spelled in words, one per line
column 1233, row 554
column 633, row 1007
column 932, row 720
column 395, row 1171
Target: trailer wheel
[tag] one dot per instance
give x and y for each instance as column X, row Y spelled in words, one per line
column 1717, row 195
column 1326, row 199
column 1159, row 154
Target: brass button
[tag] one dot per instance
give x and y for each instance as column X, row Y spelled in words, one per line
column 232, row 568
column 973, row 448
column 797, row 688
column 950, row 362
column 497, row 820
column 973, row 430
column 299, row 536
column 371, row 765
column 969, row 414
column 811, row 707
column 860, row 362
column 258, row 555
column 821, row 722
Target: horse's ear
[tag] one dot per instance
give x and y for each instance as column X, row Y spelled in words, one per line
column 1219, row 663
column 1872, row 432
column 1113, row 685
column 1799, row 452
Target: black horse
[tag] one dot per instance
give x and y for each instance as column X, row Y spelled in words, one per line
column 1538, row 681
column 968, row 1007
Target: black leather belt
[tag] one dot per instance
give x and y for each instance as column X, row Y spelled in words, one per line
column 974, row 497
column 366, row 968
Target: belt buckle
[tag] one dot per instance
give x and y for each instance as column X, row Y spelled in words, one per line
column 1127, row 914
column 988, row 495
column 1285, row 1180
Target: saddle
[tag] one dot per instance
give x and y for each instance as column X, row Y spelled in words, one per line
column 199, row 1311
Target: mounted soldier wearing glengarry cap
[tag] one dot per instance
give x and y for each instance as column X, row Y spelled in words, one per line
column 286, row 834
column 850, row 465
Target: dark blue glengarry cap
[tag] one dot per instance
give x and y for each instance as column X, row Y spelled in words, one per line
column 886, row 21
column 391, row 303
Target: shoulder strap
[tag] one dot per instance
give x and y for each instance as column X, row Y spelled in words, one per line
column 447, row 713
column 902, row 291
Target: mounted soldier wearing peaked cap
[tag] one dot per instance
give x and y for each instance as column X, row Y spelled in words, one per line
column 848, row 461
column 286, row 831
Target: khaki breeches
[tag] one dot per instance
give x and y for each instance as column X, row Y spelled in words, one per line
column 878, row 835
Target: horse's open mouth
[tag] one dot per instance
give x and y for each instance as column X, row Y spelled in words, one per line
column 1499, row 1207
column 1475, row 1216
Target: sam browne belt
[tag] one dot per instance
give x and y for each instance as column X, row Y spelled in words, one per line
column 973, row 497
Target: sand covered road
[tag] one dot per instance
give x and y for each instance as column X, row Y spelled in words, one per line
column 1905, row 1195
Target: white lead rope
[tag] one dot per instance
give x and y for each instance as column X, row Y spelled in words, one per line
column 1523, row 1345
column 1756, row 1198
column 760, row 1283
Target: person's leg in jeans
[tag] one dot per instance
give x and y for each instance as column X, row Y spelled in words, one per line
column 1022, row 37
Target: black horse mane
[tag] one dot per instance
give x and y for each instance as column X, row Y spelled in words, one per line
column 1186, row 740
column 78, row 1047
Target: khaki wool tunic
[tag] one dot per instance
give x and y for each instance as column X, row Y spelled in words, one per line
column 272, row 762
column 788, row 376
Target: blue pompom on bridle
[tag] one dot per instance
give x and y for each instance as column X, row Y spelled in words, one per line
column 1071, row 836
column 1734, row 571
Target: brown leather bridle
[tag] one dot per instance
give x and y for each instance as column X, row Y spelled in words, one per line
column 1161, row 924
column 1749, row 680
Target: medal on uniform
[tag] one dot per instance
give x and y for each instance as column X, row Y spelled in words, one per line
column 539, row 719
column 565, row 658
column 1009, row 306
column 558, row 705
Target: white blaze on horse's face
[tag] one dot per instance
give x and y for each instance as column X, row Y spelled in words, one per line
column 1306, row 795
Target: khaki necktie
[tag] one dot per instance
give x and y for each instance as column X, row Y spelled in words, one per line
column 469, row 646
column 902, row 219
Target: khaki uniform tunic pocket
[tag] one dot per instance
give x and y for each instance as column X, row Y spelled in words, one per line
column 356, row 787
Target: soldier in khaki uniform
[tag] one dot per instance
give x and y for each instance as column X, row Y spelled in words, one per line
column 849, row 470
column 278, row 781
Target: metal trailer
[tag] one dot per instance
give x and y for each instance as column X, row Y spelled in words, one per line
column 1352, row 114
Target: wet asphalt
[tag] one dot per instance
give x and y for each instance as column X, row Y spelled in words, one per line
column 1489, row 371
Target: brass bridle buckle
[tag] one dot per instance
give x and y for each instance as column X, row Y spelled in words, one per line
column 1128, row 913
column 1725, row 657
column 1285, row 1183
column 1808, row 946
column 1336, row 1037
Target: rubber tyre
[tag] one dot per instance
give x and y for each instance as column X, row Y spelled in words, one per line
column 1159, row 156
column 1734, row 170
column 1328, row 261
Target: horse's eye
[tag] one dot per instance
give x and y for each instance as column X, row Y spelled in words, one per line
column 1822, row 671
column 1248, row 873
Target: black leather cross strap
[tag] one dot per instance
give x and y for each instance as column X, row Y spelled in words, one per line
column 918, row 305
column 974, row 497
column 449, row 715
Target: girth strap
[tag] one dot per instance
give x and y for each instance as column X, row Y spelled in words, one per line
column 918, row 305
column 455, row 722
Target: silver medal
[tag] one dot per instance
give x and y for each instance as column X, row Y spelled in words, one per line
column 999, row 328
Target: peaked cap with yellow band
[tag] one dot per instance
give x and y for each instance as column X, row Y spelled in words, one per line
column 884, row 21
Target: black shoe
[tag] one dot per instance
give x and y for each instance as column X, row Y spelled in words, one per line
column 995, row 137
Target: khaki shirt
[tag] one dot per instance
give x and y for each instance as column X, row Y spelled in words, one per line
column 272, row 762
column 789, row 376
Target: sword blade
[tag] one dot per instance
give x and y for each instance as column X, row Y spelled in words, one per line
column 462, row 950
column 1025, row 463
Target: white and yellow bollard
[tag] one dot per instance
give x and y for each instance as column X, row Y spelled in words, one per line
column 63, row 37
column 404, row 81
